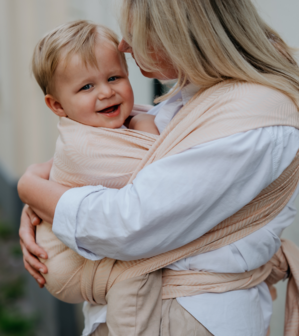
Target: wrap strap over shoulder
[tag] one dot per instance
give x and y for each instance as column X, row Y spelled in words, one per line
column 223, row 110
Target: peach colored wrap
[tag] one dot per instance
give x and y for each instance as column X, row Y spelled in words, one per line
column 220, row 111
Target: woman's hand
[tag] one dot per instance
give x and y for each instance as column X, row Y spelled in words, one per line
column 41, row 197
column 30, row 249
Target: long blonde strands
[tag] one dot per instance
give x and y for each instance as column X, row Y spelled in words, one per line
column 208, row 41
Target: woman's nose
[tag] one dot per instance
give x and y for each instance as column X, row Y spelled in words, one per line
column 124, row 47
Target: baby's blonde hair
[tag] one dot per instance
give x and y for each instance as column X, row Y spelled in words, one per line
column 209, row 41
column 77, row 37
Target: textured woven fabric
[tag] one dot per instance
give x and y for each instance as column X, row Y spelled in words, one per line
column 212, row 114
column 175, row 321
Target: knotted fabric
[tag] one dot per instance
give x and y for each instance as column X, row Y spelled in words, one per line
column 113, row 158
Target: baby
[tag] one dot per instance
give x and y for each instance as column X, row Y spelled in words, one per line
column 85, row 78
column 85, row 81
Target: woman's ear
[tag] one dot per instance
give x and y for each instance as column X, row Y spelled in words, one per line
column 54, row 105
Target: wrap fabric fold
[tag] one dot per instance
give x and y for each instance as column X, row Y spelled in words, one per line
column 194, row 283
column 223, row 110
column 286, row 264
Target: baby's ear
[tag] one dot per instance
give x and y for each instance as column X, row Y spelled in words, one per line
column 54, row 105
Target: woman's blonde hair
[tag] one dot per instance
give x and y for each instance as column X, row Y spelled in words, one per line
column 209, row 41
column 76, row 37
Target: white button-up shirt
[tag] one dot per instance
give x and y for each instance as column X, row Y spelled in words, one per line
column 178, row 199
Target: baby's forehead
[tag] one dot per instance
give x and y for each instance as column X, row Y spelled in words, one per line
column 104, row 57
column 88, row 57
column 102, row 42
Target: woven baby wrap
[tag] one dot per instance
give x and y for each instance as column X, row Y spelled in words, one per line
column 86, row 155
column 225, row 109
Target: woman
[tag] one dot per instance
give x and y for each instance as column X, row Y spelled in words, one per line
column 179, row 198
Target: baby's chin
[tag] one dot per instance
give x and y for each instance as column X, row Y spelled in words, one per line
column 98, row 120
column 94, row 123
column 112, row 123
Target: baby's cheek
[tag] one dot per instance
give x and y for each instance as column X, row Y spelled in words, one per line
column 128, row 92
column 129, row 97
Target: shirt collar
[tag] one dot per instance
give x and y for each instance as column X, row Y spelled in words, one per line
column 171, row 107
column 188, row 92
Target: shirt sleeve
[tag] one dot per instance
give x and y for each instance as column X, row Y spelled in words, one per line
column 170, row 203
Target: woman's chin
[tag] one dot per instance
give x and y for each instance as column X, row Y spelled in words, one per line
column 165, row 76
column 148, row 74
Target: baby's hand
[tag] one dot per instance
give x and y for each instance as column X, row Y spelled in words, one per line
column 144, row 123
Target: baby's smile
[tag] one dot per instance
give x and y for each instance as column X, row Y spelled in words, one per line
column 111, row 111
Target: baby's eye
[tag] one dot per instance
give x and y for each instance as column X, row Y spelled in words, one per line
column 86, row 87
column 112, row 79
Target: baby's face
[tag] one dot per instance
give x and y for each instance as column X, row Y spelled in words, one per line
column 100, row 97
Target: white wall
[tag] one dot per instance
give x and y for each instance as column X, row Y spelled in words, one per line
column 282, row 15
column 27, row 128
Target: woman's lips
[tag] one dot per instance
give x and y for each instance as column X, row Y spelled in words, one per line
column 112, row 111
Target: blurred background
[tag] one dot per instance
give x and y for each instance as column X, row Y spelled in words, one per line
column 28, row 134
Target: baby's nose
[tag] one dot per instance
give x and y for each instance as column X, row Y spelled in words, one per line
column 105, row 92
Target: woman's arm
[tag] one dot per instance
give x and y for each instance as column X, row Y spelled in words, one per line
column 38, row 192
column 171, row 202
column 144, row 123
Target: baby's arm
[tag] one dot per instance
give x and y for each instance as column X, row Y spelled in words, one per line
column 144, row 123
